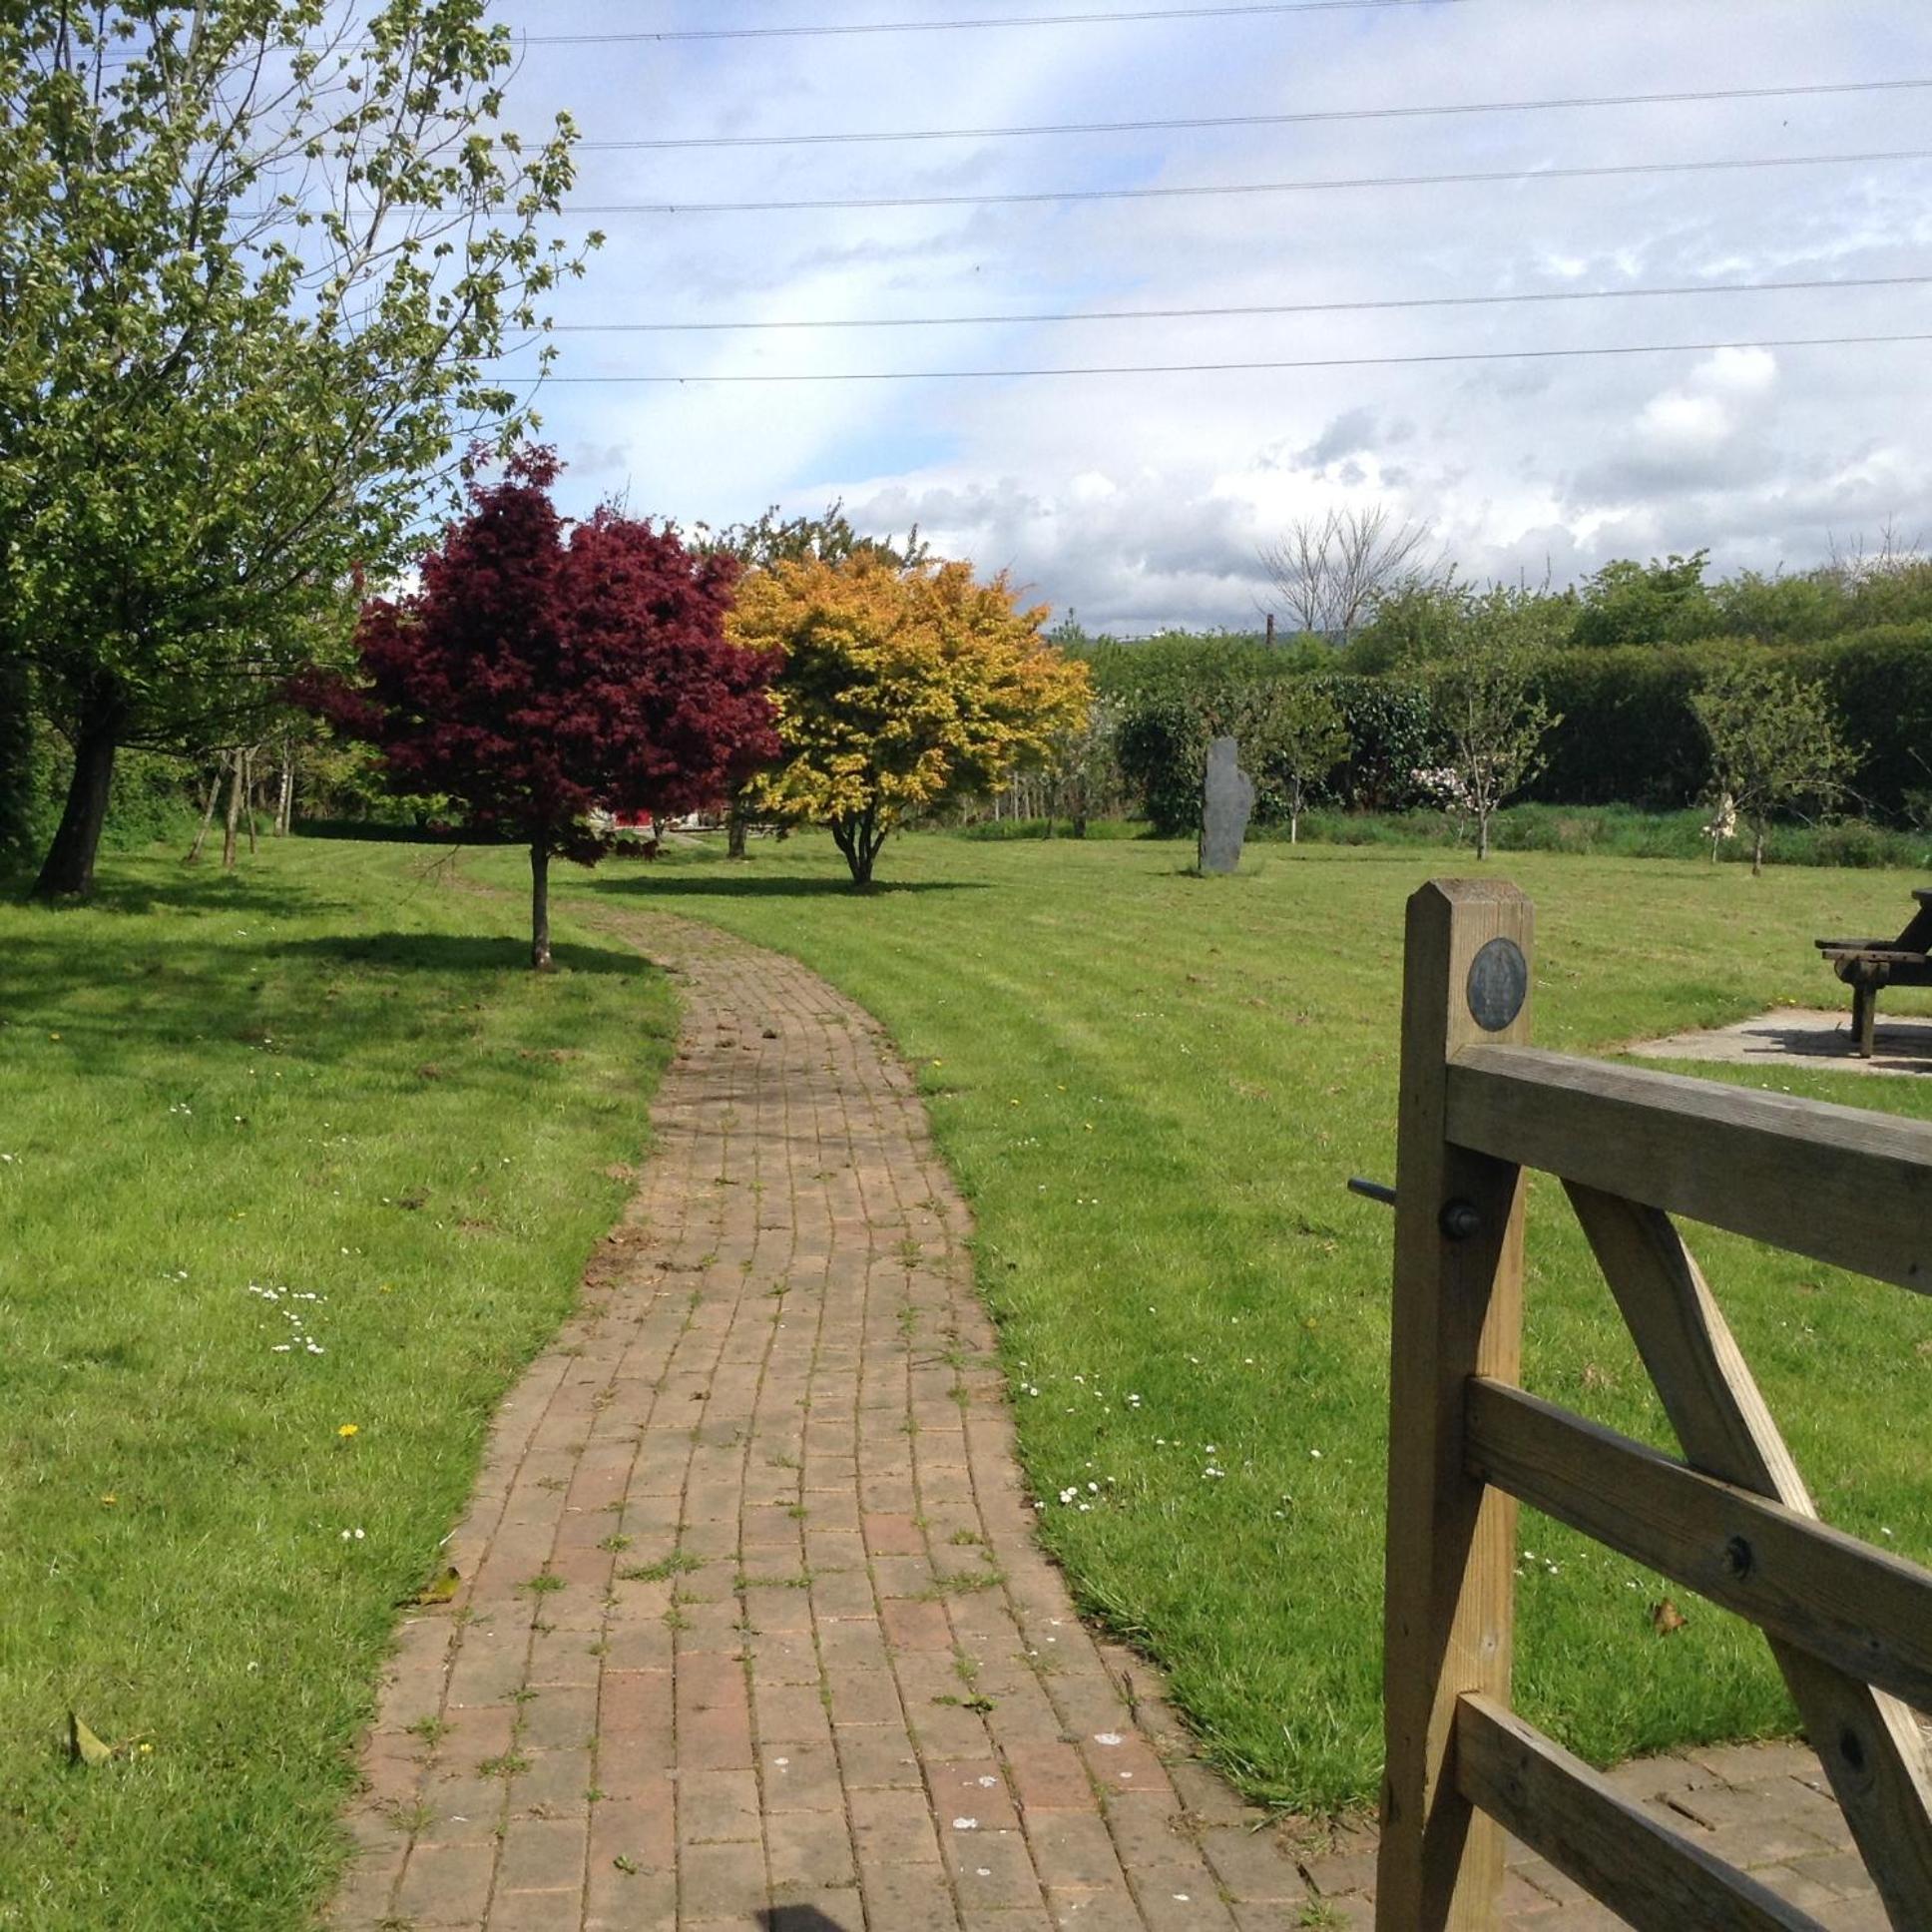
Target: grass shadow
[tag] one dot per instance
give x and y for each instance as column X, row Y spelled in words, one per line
column 194, row 889
column 681, row 885
column 450, row 953
column 1307, row 853
column 381, row 1003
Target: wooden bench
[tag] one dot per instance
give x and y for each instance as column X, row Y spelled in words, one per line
column 1867, row 965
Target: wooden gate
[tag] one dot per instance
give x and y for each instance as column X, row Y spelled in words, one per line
column 1849, row 1625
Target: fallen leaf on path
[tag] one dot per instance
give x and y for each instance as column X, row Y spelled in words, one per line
column 440, row 1589
column 83, row 1746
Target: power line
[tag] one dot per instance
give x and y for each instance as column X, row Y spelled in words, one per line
column 1301, row 362
column 1490, row 176
column 1308, row 118
column 821, row 31
column 957, row 26
column 1249, row 308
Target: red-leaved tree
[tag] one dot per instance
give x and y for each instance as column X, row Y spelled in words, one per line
column 542, row 676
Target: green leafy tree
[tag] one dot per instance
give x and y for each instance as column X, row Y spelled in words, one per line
column 1299, row 735
column 1776, row 607
column 1490, row 720
column 1775, row 746
column 254, row 260
column 1656, row 603
column 1410, row 623
column 830, row 538
column 1083, row 766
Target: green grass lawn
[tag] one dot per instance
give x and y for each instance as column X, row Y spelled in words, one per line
column 279, row 1155
column 331, row 1077
column 1152, row 1088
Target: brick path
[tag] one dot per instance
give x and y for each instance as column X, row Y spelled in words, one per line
column 754, row 1632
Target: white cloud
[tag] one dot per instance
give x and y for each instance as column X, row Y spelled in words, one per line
column 1738, row 372
column 1681, row 425
column 1141, row 498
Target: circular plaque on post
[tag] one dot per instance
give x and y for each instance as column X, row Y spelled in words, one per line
column 1499, row 983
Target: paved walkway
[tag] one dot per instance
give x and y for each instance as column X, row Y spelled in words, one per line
column 753, row 1629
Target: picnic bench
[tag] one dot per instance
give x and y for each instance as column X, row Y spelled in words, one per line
column 1867, row 965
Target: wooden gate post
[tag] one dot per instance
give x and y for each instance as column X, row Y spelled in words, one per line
column 1449, row 1599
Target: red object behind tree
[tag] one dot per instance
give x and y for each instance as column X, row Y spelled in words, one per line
column 538, row 677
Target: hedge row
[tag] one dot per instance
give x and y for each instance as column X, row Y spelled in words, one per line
column 1628, row 734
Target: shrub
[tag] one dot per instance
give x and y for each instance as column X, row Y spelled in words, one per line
column 149, row 799
column 1393, row 737
column 1616, row 831
column 1162, row 749
column 1854, row 843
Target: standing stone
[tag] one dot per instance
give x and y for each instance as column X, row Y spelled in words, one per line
column 1225, row 804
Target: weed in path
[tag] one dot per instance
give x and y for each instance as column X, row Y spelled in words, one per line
column 679, row 1563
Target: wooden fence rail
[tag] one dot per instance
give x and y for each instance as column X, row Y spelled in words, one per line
column 1850, row 1625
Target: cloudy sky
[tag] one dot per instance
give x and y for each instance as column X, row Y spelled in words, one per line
column 1141, row 500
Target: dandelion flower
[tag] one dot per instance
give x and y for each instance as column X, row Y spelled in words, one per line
column 349, row 1429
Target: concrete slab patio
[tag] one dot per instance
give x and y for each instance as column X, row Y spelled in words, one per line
column 753, row 1631
column 1800, row 1036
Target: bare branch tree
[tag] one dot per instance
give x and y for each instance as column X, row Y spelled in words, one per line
column 1330, row 569
column 1858, row 561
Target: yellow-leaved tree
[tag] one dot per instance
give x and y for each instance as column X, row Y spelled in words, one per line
column 903, row 686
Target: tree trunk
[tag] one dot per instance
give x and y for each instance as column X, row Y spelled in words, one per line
column 68, row 871
column 234, row 810
column 735, row 829
column 208, row 819
column 1482, row 834
column 16, row 755
column 285, row 798
column 540, row 907
column 248, row 794
column 857, row 839
column 1757, row 850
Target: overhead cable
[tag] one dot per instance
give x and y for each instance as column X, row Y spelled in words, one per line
column 1244, row 308
column 1305, row 118
column 1298, row 362
column 1090, row 19
column 1490, row 176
